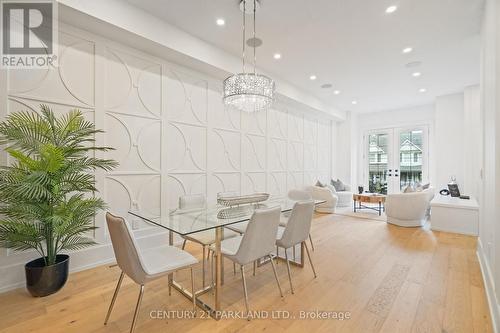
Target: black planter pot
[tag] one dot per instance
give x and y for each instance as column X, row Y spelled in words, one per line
column 44, row 280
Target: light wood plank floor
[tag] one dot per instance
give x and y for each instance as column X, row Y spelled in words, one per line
column 389, row 279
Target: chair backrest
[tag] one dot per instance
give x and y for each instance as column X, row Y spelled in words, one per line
column 126, row 251
column 259, row 239
column 407, row 206
column 299, row 195
column 299, row 224
column 194, row 201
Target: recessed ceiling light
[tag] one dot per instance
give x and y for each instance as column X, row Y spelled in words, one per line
column 422, row 90
column 312, row 77
column 220, row 22
column 277, row 56
column 336, row 92
column 391, row 9
column 354, row 102
column 407, row 49
column 417, row 74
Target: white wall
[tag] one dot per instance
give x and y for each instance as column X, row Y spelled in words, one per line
column 345, row 150
column 412, row 116
column 171, row 133
column 473, row 142
column 489, row 225
column 449, row 138
column 454, row 138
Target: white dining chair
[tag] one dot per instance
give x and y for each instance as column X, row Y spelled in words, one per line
column 203, row 238
column 297, row 195
column 296, row 232
column 257, row 242
column 143, row 266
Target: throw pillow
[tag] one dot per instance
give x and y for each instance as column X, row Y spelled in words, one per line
column 426, row 186
column 320, row 184
column 331, row 188
column 408, row 189
column 339, row 186
column 419, row 187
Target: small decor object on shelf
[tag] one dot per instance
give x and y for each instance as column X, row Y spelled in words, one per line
column 444, row 192
column 453, row 188
column 238, row 211
column 46, row 194
column 360, row 189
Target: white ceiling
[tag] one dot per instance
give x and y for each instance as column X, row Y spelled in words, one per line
column 352, row 44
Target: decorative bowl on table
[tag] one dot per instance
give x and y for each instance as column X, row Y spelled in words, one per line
column 238, row 211
column 236, row 200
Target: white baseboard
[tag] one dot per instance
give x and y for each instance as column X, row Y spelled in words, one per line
column 489, row 286
column 12, row 276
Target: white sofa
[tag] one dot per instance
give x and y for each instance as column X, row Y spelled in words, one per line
column 345, row 197
column 323, row 193
column 409, row 209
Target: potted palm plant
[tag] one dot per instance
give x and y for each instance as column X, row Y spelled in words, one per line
column 46, row 193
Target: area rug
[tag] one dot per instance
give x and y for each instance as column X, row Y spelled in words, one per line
column 363, row 214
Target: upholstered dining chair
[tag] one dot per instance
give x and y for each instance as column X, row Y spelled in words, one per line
column 203, row 238
column 297, row 195
column 296, row 232
column 143, row 266
column 257, row 242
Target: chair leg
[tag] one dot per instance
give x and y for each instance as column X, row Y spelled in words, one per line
column 289, row 272
column 193, row 291
column 234, row 268
column 311, row 240
column 184, row 244
column 114, row 297
column 212, row 270
column 203, row 266
column 276, row 275
column 137, row 307
column 310, row 261
column 254, row 267
column 245, row 290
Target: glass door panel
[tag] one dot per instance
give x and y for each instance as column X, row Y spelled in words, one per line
column 411, row 147
column 395, row 158
column 378, row 158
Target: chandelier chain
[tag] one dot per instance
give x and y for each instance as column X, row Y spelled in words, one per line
column 244, row 34
column 254, row 41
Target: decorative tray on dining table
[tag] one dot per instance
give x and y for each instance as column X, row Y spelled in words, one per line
column 236, row 200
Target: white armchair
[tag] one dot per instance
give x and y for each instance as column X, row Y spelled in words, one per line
column 323, row 193
column 409, row 209
column 344, row 197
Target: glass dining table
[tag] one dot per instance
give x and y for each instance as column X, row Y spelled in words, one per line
column 217, row 218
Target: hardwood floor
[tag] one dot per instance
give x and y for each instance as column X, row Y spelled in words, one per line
column 389, row 279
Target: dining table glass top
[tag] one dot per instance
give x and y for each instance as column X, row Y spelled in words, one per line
column 185, row 222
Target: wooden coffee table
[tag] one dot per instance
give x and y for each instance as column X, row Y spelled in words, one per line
column 369, row 198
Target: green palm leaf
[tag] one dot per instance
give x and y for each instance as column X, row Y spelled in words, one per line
column 42, row 197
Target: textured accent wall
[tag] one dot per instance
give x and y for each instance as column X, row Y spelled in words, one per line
column 171, row 134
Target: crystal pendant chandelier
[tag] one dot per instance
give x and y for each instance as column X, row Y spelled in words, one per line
column 249, row 92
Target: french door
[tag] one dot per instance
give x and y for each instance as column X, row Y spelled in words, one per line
column 395, row 158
